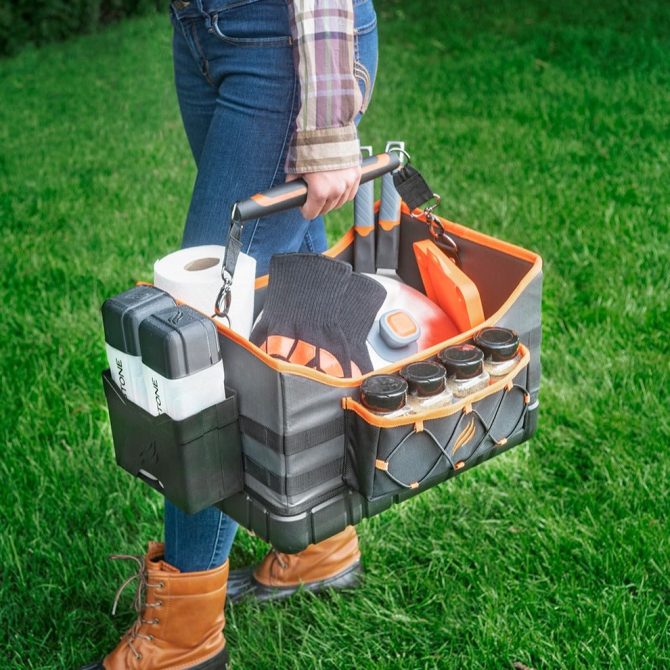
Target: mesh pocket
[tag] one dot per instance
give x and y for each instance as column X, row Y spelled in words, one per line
column 419, row 453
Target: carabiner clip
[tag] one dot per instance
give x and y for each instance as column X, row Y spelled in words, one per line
column 225, row 297
column 441, row 238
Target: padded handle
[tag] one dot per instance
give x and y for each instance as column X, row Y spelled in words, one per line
column 294, row 193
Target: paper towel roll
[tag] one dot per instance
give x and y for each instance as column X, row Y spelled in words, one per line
column 193, row 276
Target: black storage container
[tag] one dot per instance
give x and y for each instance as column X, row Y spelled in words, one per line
column 194, row 463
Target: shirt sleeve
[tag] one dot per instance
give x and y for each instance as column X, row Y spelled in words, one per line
column 325, row 136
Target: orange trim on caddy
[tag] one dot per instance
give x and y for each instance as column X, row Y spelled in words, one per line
column 440, row 412
column 346, row 240
column 480, row 238
column 341, row 245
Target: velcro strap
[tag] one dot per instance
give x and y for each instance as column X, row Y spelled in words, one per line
column 294, row 484
column 287, row 445
column 412, row 187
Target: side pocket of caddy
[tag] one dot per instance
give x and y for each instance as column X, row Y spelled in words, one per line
column 194, row 463
column 389, row 457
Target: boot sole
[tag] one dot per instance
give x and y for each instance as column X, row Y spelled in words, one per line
column 347, row 579
column 218, row 662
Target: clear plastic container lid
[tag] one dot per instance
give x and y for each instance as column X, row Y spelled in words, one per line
column 425, row 378
column 463, row 361
column 498, row 344
column 384, row 393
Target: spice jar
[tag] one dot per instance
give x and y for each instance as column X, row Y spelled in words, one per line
column 427, row 386
column 465, row 369
column 501, row 350
column 385, row 395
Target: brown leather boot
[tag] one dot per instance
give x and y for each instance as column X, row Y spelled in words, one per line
column 334, row 563
column 180, row 619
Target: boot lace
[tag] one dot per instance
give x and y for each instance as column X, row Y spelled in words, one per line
column 139, row 601
column 281, row 558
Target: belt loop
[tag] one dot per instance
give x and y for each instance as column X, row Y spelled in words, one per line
column 180, row 5
column 205, row 15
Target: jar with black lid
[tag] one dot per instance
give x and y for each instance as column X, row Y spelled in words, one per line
column 465, row 369
column 501, row 350
column 385, row 395
column 427, row 386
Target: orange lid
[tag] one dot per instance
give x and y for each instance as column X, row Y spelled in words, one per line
column 401, row 323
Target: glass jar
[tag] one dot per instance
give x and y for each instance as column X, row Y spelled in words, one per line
column 465, row 369
column 385, row 395
column 501, row 350
column 427, row 386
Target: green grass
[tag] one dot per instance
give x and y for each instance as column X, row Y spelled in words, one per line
column 543, row 123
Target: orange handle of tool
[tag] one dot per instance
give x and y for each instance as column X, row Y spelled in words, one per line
column 294, row 193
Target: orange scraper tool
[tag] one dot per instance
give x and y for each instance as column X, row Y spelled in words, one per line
column 448, row 286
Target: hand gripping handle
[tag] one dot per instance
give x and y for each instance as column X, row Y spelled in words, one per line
column 294, row 193
column 279, row 199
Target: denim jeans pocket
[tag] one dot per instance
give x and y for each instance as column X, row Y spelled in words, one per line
column 255, row 23
column 365, row 17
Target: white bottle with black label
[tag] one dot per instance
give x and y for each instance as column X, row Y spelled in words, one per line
column 181, row 361
column 121, row 318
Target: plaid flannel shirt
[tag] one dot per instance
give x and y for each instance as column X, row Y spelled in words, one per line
column 325, row 136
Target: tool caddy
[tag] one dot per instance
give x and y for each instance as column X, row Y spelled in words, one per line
column 291, row 454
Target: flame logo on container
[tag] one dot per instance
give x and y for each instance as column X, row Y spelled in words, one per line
column 465, row 436
column 150, row 453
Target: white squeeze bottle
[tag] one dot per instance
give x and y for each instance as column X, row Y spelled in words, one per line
column 181, row 361
column 121, row 318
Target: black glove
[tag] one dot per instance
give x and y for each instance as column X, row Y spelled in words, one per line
column 300, row 319
column 358, row 311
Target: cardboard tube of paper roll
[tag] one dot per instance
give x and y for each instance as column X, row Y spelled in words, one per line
column 193, row 276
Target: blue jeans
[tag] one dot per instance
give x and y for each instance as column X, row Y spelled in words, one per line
column 238, row 96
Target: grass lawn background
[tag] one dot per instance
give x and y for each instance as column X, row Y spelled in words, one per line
column 543, row 123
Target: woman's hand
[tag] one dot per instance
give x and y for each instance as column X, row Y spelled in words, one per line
column 328, row 190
